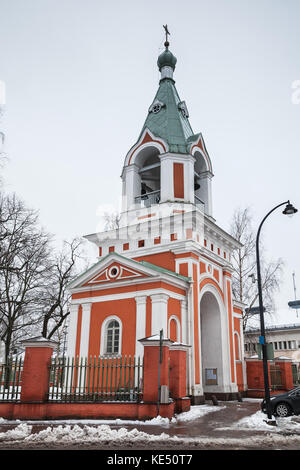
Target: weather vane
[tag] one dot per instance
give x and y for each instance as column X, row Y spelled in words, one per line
column 167, row 33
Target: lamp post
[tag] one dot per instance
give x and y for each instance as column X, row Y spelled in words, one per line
column 289, row 210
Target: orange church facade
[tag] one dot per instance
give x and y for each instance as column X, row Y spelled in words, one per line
column 167, row 266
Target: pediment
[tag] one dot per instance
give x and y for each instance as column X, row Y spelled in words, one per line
column 113, row 273
column 110, row 270
column 116, row 269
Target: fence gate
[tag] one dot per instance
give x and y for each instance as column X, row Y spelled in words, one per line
column 96, row 379
column 275, row 375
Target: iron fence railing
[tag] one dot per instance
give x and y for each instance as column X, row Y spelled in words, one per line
column 276, row 377
column 148, row 199
column 11, row 380
column 96, row 379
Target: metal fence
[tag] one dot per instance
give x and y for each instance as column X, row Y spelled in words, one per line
column 96, row 379
column 11, row 380
column 295, row 372
column 276, row 377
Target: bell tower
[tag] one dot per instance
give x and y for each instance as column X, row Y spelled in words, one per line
column 169, row 164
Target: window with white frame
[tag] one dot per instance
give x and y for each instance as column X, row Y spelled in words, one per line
column 111, row 336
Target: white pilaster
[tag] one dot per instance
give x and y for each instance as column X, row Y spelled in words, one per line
column 159, row 318
column 184, row 337
column 73, row 318
column 140, row 324
column 85, row 329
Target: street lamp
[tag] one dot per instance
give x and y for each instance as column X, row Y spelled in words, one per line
column 289, row 210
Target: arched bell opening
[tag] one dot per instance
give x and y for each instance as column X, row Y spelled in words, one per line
column 148, row 163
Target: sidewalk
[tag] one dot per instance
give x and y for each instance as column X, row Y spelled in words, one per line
column 228, row 426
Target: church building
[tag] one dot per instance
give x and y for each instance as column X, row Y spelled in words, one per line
column 167, row 265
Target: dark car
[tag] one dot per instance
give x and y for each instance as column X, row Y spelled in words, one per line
column 284, row 404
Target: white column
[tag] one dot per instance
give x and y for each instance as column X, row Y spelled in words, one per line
column 184, row 337
column 166, row 178
column 132, row 186
column 159, row 318
column 72, row 330
column 205, row 192
column 85, row 329
column 189, row 193
column 140, row 324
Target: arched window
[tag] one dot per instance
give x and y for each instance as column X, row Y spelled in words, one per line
column 237, row 347
column 111, row 336
column 174, row 328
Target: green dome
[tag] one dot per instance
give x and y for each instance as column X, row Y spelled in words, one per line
column 166, row 59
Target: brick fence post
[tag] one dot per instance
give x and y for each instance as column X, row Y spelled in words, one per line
column 286, row 372
column 35, row 375
column 178, row 379
column 151, row 369
column 178, row 376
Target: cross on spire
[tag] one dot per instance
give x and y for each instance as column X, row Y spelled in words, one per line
column 167, row 33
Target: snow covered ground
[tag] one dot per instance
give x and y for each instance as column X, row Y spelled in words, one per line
column 113, row 434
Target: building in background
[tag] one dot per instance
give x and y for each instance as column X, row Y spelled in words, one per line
column 167, row 264
column 284, row 338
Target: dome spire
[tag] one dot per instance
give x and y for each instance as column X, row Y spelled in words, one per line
column 166, row 61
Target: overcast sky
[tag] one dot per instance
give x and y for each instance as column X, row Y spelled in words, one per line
column 79, row 78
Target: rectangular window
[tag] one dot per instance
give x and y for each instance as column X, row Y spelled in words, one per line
column 211, row 377
column 284, row 345
column 275, row 346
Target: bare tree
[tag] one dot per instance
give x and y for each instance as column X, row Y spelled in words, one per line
column 3, row 156
column 55, row 297
column 244, row 265
column 24, row 262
